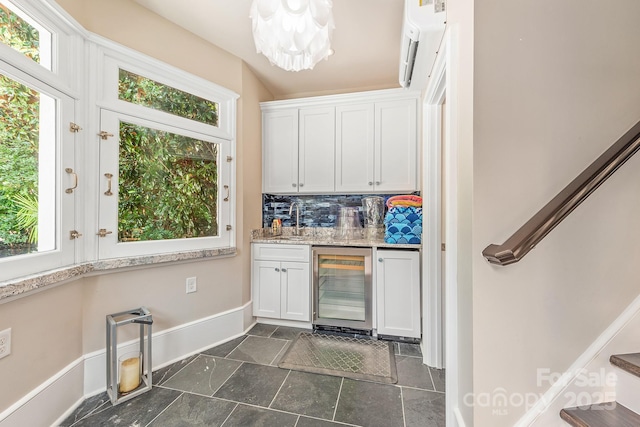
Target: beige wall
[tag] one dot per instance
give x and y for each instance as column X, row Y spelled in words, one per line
column 53, row 328
column 554, row 86
column 46, row 336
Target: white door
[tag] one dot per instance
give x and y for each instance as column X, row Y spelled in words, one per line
column 280, row 151
column 316, row 145
column 354, row 148
column 266, row 289
column 295, row 291
column 396, row 146
column 398, row 293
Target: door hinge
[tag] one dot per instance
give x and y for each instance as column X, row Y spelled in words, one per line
column 74, row 127
column 229, row 158
column 228, row 228
column 103, row 232
column 439, row 6
column 443, row 247
column 104, row 135
column 73, row 234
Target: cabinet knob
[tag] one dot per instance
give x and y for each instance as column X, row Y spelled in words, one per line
column 301, row 185
column 380, row 260
column 370, row 183
column 294, row 185
column 377, row 182
column 278, row 270
column 284, row 270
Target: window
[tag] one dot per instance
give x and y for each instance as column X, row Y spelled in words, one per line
column 22, row 33
column 36, row 213
column 165, row 178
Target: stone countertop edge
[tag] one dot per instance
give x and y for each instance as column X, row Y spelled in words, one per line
column 321, row 237
column 23, row 285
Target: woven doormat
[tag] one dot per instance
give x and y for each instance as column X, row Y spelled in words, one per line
column 355, row 358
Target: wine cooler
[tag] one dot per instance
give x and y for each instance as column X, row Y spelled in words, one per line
column 342, row 288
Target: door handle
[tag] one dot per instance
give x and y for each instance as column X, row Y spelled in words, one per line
column 75, row 181
column 108, row 192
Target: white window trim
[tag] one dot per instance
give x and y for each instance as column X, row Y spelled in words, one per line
column 77, row 54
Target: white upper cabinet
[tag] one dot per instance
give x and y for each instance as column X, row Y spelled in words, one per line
column 316, row 148
column 280, row 151
column 354, row 148
column 396, row 146
column 354, row 143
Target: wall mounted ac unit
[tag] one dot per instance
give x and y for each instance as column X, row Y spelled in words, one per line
column 422, row 31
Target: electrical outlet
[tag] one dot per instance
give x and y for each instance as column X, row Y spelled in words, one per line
column 5, row 343
column 192, row 284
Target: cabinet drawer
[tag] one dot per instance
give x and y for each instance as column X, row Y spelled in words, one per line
column 280, row 252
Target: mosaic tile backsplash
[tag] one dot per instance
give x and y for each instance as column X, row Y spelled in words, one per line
column 315, row 210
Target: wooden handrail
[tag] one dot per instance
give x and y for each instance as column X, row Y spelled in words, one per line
column 534, row 230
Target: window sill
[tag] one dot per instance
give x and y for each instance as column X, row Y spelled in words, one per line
column 36, row 282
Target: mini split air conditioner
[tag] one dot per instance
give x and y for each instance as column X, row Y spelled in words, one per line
column 422, row 31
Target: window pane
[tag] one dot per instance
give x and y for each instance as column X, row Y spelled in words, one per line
column 168, row 185
column 27, row 169
column 140, row 90
column 23, row 34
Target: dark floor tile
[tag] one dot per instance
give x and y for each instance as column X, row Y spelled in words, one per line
column 423, row 408
column 287, row 333
column 193, row 410
column 258, row 350
column 250, row 416
column 438, row 376
column 280, row 355
column 137, row 411
column 369, row 404
column 89, row 406
column 308, row 394
column 262, row 330
column 407, row 349
column 223, row 350
column 314, row 422
column 413, row 373
column 160, row 376
column 253, row 384
column 204, row 375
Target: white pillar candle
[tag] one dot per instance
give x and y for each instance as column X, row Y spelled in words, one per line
column 129, row 374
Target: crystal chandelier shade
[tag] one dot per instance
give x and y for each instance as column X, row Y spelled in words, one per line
column 293, row 34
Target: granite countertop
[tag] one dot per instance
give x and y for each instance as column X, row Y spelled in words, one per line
column 320, row 236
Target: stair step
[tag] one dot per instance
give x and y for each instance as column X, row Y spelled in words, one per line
column 627, row 362
column 608, row 414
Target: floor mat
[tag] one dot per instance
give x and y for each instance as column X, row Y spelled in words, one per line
column 341, row 356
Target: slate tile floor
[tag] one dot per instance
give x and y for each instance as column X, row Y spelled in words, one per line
column 238, row 383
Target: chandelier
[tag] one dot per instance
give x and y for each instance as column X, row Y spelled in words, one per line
column 293, row 34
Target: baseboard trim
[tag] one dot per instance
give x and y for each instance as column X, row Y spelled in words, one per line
column 580, row 364
column 45, row 402
column 60, row 395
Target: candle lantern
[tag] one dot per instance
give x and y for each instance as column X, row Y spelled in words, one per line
column 128, row 374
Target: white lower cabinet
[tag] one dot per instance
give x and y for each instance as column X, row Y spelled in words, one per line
column 281, row 281
column 398, row 293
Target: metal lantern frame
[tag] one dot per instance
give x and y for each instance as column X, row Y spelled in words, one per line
column 143, row 317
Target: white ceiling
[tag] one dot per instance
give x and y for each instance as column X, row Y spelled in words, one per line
column 366, row 41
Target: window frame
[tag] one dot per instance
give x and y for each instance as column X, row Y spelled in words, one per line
column 109, row 59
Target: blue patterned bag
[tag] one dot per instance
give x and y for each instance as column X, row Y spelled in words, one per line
column 403, row 225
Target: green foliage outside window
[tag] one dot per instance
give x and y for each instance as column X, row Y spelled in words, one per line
column 19, row 137
column 143, row 91
column 167, row 185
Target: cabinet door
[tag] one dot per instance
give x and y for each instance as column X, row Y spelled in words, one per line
column 265, row 279
column 354, row 148
column 396, row 146
column 398, row 293
column 280, row 151
column 316, row 146
column 295, row 291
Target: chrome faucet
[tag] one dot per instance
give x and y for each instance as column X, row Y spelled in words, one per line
column 297, row 205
